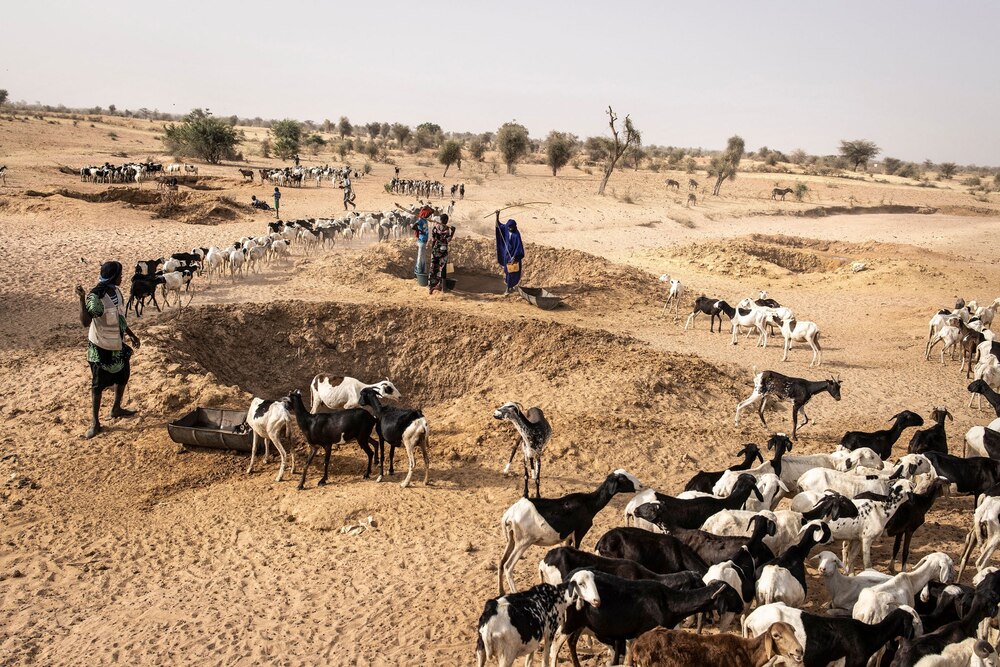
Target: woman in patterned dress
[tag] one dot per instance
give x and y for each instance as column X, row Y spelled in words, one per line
column 441, row 235
column 102, row 310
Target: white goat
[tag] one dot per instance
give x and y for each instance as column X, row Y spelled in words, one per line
column 985, row 532
column 174, row 282
column 342, row 393
column 674, row 297
column 858, row 533
column 949, row 335
column 751, row 317
column 844, row 590
column 987, row 370
column 845, row 483
column 875, row 603
column 271, row 421
column 771, row 488
column 801, row 332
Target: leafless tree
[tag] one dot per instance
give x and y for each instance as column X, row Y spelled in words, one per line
column 619, row 145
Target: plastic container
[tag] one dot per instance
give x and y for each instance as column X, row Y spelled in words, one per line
column 422, row 279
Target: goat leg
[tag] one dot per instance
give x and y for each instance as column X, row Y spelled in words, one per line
column 326, row 465
column 510, row 461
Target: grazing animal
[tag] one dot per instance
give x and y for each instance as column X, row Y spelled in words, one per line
column 247, row 174
column 693, row 512
column 143, row 288
column 535, row 433
column 400, row 427
column 769, row 385
column 551, row 521
column 692, row 184
column 714, row 308
column 781, row 192
column 909, row 516
column 674, row 297
column 677, row 648
column 671, row 183
column 691, row 200
column 518, row 624
column 882, row 441
column 327, row 429
column 271, row 421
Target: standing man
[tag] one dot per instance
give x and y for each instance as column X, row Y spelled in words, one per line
column 461, row 191
column 420, row 232
column 277, row 200
column 451, row 207
column 510, row 253
column 348, row 193
column 103, row 311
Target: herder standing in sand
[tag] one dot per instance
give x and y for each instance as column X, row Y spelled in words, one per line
column 103, row 311
column 510, row 253
column 421, row 232
column 277, row 200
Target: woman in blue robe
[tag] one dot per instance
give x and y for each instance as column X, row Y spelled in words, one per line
column 510, row 252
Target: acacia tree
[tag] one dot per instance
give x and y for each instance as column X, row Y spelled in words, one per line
column 199, row 134
column 3, row 96
column 724, row 166
column 287, row 137
column 559, row 149
column 947, row 169
column 449, row 154
column 513, row 144
column 344, row 127
column 858, row 151
column 618, row 146
column 400, row 133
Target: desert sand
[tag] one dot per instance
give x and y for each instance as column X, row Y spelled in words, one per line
column 128, row 550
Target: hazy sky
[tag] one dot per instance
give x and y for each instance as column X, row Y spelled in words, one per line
column 917, row 77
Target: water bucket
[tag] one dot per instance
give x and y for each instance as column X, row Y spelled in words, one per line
column 422, row 279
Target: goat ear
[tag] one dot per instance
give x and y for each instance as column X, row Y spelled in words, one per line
column 948, row 415
column 769, row 645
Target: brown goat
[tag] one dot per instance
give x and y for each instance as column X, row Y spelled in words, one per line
column 676, row 648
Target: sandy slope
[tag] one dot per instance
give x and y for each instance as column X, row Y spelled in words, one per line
column 124, row 549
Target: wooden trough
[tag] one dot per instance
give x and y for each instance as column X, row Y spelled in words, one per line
column 212, row 428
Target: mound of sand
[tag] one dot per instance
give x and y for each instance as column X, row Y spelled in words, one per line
column 186, row 207
column 745, row 257
column 560, row 270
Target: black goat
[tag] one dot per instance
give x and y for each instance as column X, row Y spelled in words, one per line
column 400, row 427
column 326, row 429
column 776, row 580
column 555, row 568
column 882, row 441
column 908, row 517
column 630, row 608
column 714, row 308
column 980, row 387
column 713, row 548
column 148, row 267
column 973, row 475
column 692, row 512
column 769, row 385
column 663, row 554
column 933, row 439
column 143, row 288
column 704, row 481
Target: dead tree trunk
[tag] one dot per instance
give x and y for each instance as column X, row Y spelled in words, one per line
column 618, row 148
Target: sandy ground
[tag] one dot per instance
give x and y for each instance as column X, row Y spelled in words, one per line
column 127, row 550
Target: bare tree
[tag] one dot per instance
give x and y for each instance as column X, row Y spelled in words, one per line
column 618, row 146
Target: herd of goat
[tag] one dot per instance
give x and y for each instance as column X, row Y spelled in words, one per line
column 174, row 274
column 720, row 549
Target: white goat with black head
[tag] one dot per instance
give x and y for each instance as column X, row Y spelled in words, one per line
column 535, row 433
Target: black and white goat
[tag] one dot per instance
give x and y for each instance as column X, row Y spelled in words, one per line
column 558, row 563
column 551, row 521
column 704, row 481
column 517, row 624
column 784, row 578
column 331, row 428
column 882, row 441
column 827, row 640
column 337, row 392
column 400, row 427
column 982, row 388
column 714, row 308
column 630, row 608
column 271, row 421
column 535, row 433
column 769, row 385
column 693, row 512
